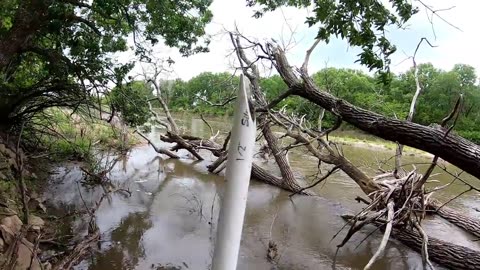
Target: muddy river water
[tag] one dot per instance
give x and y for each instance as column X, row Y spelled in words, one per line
column 169, row 221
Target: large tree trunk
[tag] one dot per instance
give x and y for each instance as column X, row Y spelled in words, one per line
column 280, row 158
column 452, row 148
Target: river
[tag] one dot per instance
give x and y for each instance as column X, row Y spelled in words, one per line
column 169, row 220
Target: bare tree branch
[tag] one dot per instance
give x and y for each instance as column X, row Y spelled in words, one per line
column 304, row 67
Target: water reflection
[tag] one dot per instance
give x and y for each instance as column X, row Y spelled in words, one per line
column 169, row 221
column 126, row 247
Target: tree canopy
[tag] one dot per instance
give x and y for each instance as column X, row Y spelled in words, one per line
column 131, row 100
column 362, row 23
column 61, row 53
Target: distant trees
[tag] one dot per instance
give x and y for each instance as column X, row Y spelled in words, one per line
column 201, row 92
column 440, row 91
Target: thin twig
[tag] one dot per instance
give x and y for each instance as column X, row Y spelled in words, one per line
column 208, row 125
column 435, row 12
column 217, row 104
column 304, row 67
column 386, row 236
column 332, row 171
column 425, row 259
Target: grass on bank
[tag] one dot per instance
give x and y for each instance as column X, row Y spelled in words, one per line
column 73, row 136
column 56, row 136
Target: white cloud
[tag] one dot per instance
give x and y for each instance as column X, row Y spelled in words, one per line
column 453, row 46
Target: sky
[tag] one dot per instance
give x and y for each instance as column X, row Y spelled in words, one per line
column 287, row 26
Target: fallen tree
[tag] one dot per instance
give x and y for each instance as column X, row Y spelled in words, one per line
column 398, row 199
column 445, row 253
column 450, row 147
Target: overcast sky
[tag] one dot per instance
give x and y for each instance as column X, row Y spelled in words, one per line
column 454, row 46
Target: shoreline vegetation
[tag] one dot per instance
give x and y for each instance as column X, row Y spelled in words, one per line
column 213, row 94
column 25, row 216
column 346, row 136
column 75, row 138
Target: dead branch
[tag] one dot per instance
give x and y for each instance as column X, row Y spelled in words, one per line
column 227, row 139
column 251, row 72
column 157, row 117
column 217, row 104
column 181, row 144
column 455, row 112
column 304, row 68
column 173, row 125
column 425, row 259
column 386, row 236
column 153, row 77
column 219, row 161
column 331, row 157
column 157, row 149
column 413, row 104
column 212, row 136
column 360, row 199
column 330, row 172
column 277, row 100
column 436, row 11
column 76, row 254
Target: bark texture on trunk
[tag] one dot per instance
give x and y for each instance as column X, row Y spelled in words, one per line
column 471, row 225
column 364, row 182
column 280, row 158
column 452, row 148
column 445, row 253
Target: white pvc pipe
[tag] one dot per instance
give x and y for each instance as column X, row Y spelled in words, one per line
column 234, row 199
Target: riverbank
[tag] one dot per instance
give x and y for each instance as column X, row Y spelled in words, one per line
column 34, row 234
column 378, row 144
column 160, row 197
column 170, row 219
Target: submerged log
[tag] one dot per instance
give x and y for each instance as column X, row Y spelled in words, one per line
column 262, row 175
column 445, row 253
column 471, row 225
